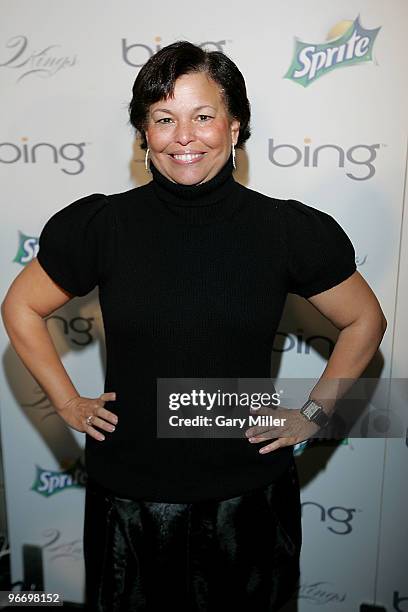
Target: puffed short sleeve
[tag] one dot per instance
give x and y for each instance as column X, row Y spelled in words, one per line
column 319, row 253
column 74, row 244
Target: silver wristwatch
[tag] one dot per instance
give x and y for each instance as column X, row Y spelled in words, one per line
column 313, row 412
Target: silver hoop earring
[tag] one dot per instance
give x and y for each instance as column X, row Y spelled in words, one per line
column 233, row 156
column 146, row 160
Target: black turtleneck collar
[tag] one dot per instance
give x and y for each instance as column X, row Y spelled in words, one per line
column 210, row 192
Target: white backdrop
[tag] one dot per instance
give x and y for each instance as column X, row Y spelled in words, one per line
column 66, row 72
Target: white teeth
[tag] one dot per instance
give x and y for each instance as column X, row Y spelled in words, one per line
column 187, row 156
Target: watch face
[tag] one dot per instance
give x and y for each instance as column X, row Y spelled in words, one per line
column 310, row 410
column 313, row 412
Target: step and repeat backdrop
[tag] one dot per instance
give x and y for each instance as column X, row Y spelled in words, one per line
column 328, row 89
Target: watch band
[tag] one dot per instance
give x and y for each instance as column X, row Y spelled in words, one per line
column 315, row 413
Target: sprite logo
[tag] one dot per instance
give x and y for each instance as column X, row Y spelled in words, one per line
column 27, row 249
column 48, row 482
column 349, row 43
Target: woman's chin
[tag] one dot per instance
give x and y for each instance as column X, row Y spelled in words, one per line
column 187, row 175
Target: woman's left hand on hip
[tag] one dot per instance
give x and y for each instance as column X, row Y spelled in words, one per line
column 294, row 428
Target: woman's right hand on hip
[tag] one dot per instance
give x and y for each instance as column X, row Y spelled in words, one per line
column 88, row 415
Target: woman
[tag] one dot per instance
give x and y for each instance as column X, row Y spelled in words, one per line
column 193, row 271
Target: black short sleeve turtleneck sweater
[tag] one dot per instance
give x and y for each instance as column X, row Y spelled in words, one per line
column 192, row 283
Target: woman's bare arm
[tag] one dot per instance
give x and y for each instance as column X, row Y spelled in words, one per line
column 354, row 309
column 32, row 296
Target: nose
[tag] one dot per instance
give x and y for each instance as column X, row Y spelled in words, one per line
column 184, row 132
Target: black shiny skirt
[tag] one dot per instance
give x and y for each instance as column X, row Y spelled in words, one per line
column 205, row 556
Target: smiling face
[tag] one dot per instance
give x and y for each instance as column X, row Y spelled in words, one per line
column 190, row 135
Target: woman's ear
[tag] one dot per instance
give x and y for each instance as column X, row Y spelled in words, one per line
column 235, row 125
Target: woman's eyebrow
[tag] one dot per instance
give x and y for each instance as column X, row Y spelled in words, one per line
column 162, row 110
column 196, row 108
column 205, row 106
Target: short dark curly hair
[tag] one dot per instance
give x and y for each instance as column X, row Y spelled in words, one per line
column 157, row 78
